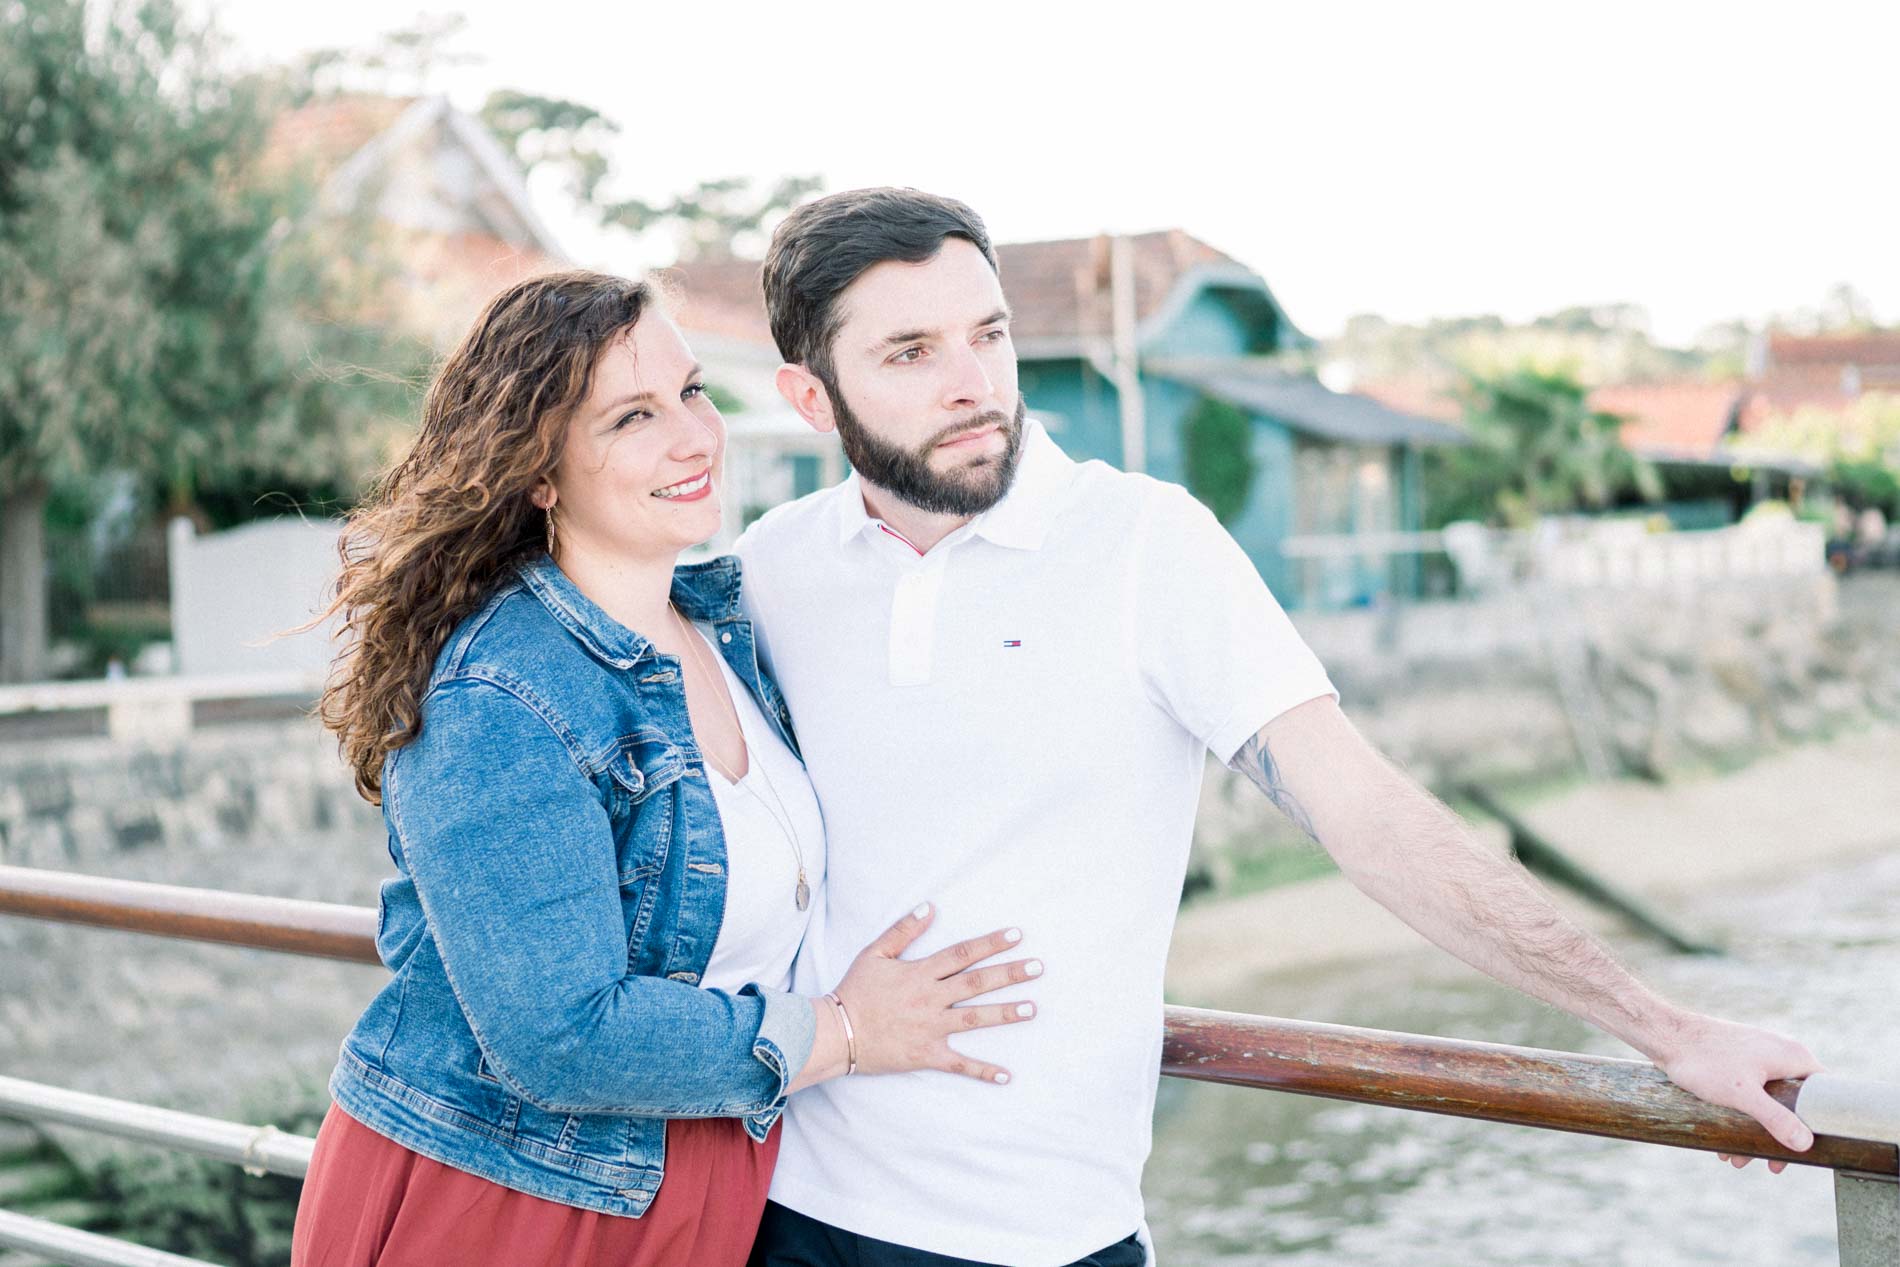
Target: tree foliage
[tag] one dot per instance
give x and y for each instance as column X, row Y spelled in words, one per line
column 1217, row 452
column 1606, row 343
column 400, row 62
column 1858, row 447
column 717, row 218
column 156, row 312
column 158, row 315
column 554, row 133
column 1536, row 448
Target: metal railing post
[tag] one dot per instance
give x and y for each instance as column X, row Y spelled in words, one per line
column 1867, row 1212
column 1866, row 1205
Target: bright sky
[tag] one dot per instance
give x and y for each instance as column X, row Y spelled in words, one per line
column 1706, row 161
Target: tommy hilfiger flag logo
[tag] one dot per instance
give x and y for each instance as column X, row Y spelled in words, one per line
column 1012, row 642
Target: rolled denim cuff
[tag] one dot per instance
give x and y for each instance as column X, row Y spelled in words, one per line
column 787, row 1031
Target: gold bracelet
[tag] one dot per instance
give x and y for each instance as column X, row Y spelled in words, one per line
column 850, row 1035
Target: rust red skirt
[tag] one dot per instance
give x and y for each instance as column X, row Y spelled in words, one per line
column 370, row 1202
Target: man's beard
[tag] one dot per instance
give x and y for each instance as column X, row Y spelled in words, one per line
column 906, row 474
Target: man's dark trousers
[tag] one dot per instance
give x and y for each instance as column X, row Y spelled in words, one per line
column 789, row 1239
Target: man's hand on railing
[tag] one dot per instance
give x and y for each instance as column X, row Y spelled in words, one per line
column 1412, row 855
column 1728, row 1064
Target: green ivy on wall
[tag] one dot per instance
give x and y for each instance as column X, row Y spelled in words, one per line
column 1217, row 449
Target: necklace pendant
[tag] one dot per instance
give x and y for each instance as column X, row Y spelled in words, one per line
column 804, row 893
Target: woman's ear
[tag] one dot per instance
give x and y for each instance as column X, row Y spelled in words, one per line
column 543, row 495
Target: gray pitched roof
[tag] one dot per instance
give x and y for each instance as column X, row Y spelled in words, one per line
column 1307, row 405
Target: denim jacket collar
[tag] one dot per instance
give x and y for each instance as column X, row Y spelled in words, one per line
column 708, row 591
column 702, row 591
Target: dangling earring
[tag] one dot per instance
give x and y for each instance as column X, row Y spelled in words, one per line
column 550, row 516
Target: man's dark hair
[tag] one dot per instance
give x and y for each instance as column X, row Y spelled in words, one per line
column 825, row 245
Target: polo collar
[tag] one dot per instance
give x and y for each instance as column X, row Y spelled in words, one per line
column 706, row 591
column 1043, row 474
column 1020, row 521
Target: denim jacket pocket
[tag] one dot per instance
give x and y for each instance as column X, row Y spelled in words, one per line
column 643, row 764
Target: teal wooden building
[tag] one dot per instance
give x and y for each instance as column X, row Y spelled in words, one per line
column 1172, row 319
column 1119, row 341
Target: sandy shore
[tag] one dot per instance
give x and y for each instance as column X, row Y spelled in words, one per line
column 1786, row 812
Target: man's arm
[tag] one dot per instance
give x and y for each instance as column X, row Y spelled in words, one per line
column 1408, row 851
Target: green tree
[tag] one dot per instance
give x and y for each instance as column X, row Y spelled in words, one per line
column 402, row 62
column 717, row 218
column 1858, row 446
column 155, row 317
column 1217, row 451
column 1536, row 448
column 552, row 132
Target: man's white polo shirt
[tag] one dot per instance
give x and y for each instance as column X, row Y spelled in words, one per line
column 1013, row 726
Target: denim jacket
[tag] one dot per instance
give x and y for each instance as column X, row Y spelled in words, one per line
column 560, row 881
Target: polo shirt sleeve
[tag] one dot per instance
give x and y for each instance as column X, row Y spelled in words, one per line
column 1212, row 645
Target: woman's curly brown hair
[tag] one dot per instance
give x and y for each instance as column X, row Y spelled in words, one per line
column 446, row 525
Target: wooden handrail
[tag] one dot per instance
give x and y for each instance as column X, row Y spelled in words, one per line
column 320, row 929
column 1525, row 1086
column 1595, row 1095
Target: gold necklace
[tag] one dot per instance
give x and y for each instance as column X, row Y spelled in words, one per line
column 779, row 815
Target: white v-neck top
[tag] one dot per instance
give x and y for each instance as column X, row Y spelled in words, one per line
column 1012, row 725
column 759, row 937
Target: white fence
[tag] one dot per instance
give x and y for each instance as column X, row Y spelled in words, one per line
column 235, row 594
column 1625, row 554
column 1618, row 560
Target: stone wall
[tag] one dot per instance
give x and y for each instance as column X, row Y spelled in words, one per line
column 1644, row 682
column 256, row 808
column 1649, row 683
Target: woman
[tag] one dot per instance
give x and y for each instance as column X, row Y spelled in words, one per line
column 605, row 845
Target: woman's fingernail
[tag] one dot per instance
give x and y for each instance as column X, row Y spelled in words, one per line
column 1002, row 1078
column 1025, row 1009
column 1014, row 934
column 1033, row 967
column 922, row 911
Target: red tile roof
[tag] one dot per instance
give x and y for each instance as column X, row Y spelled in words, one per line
column 1683, row 419
column 320, row 136
column 1871, row 348
column 1057, row 289
column 443, row 278
column 723, row 298
column 450, row 276
column 1825, row 372
column 1425, row 397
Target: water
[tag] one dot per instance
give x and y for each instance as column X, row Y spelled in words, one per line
column 1242, row 1176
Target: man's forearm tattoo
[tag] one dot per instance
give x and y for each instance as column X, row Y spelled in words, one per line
column 1255, row 760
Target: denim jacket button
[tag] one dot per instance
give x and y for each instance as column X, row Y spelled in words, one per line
column 690, row 978
column 725, row 637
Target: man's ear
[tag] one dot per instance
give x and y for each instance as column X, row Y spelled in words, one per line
column 803, row 392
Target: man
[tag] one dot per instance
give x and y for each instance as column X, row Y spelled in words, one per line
column 1005, row 668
